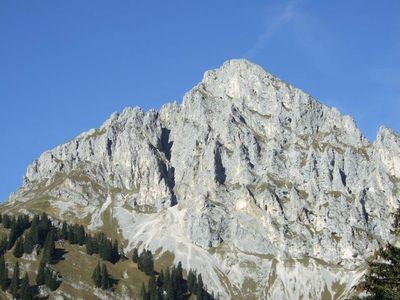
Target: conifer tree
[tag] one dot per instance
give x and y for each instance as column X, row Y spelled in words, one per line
column 51, row 279
column 6, row 221
column 43, row 228
column 168, row 285
column 34, row 230
column 26, row 292
column 160, row 279
column 14, row 285
column 49, row 248
column 152, row 288
column 28, row 243
column 105, row 278
column 200, row 287
column 41, row 274
column 19, row 248
column 80, row 234
column 105, row 249
column 114, row 252
column 383, row 277
column 191, row 281
column 96, row 276
column 91, row 245
column 3, row 245
column 3, row 273
column 64, row 231
column 135, row 255
column 13, row 236
column 146, row 262
column 179, row 281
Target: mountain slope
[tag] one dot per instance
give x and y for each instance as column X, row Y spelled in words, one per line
column 252, row 181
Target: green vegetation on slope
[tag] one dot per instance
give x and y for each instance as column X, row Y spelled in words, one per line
column 48, row 258
column 382, row 281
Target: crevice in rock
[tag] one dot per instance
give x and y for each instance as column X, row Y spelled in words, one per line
column 165, row 167
column 165, row 144
column 280, row 205
column 219, row 169
column 109, row 147
column 343, row 177
column 362, row 202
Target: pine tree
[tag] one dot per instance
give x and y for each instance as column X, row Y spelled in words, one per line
column 13, row 236
column 135, row 255
column 28, row 243
column 114, row 252
column 160, row 279
column 6, row 221
column 146, row 262
column 22, row 223
column 72, row 238
column 200, row 287
column 91, row 245
column 64, row 231
column 34, row 230
column 3, row 245
column 105, row 249
column 41, row 274
column 191, row 281
column 3, row 273
column 43, row 228
column 49, row 248
column 19, row 248
column 51, row 279
column 26, row 292
column 179, row 281
column 80, row 234
column 96, row 276
column 14, row 285
column 382, row 280
column 105, row 278
column 174, row 294
column 168, row 287
column 152, row 287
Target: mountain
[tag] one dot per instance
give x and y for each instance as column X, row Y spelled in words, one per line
column 266, row 191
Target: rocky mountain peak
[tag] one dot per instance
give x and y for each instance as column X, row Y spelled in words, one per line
column 248, row 179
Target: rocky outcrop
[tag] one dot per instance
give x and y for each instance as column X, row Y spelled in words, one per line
column 250, row 178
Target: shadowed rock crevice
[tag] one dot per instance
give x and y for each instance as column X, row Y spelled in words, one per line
column 362, row 202
column 219, row 170
column 165, row 143
column 109, row 147
column 343, row 177
column 166, row 169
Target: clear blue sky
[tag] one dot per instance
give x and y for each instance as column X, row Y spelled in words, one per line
column 65, row 66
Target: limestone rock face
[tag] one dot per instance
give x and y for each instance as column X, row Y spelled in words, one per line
column 264, row 190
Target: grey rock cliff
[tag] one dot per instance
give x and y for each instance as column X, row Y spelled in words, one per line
column 266, row 191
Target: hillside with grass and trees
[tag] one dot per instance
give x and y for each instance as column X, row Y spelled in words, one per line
column 42, row 258
column 382, row 279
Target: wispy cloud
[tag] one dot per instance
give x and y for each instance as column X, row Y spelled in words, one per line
column 277, row 18
column 300, row 29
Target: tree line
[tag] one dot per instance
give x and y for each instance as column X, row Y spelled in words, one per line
column 382, row 279
column 24, row 236
column 169, row 284
column 39, row 234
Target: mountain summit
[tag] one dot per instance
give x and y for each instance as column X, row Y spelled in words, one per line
column 267, row 192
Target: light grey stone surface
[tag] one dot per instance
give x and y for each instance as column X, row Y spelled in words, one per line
column 247, row 173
